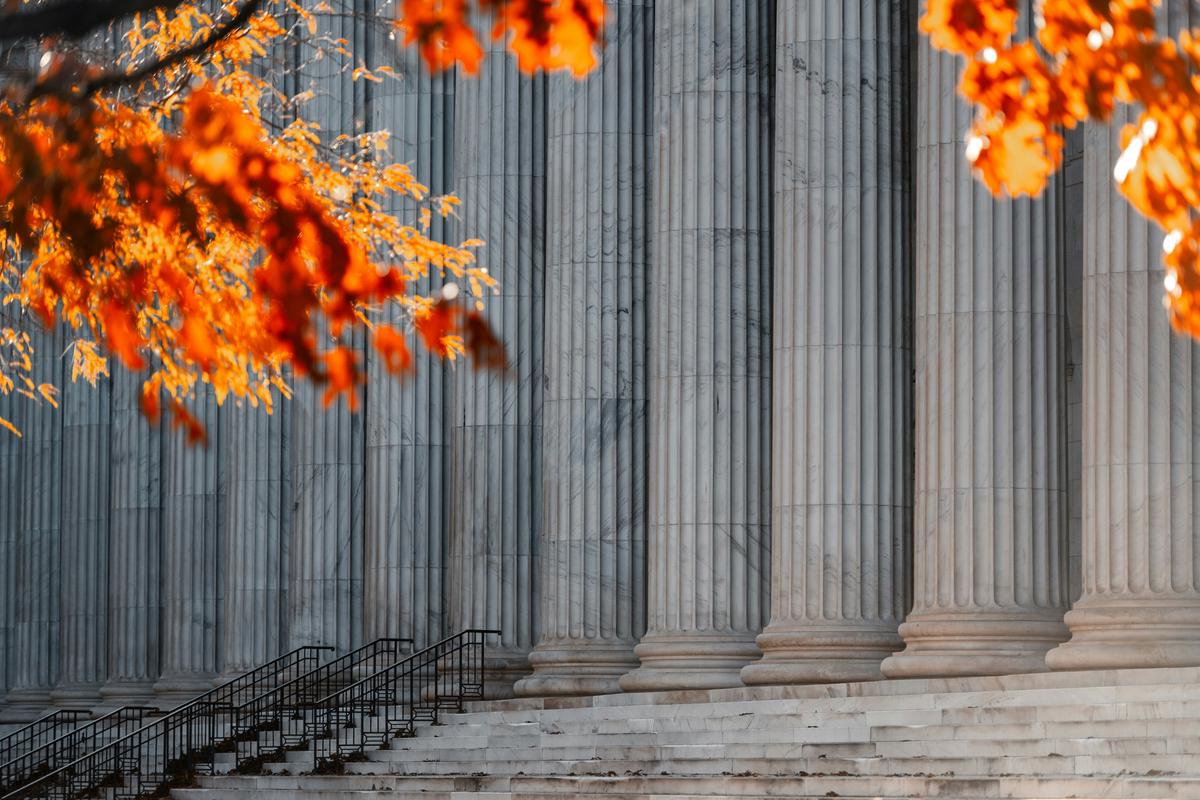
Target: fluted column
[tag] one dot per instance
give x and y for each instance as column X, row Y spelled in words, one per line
column 191, row 555
column 496, row 429
column 38, row 616
column 405, row 552
column 840, row 486
column 709, row 345
column 256, row 524
column 11, row 409
column 990, row 521
column 1141, row 415
column 592, row 564
column 134, row 566
column 87, row 456
column 325, row 552
column 325, row 573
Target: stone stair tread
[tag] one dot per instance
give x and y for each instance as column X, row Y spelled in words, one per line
column 686, row 788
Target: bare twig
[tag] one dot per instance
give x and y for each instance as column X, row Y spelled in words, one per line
column 73, row 18
column 112, row 80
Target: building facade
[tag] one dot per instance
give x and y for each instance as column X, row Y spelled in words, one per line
column 792, row 399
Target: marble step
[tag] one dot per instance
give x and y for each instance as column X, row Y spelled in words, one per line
column 648, row 763
column 777, row 748
column 675, row 788
column 476, row 733
column 1087, row 697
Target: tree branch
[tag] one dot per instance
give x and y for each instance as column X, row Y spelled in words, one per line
column 73, row 18
column 112, row 80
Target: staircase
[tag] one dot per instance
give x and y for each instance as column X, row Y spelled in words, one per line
column 168, row 749
column 40, row 732
column 327, row 711
column 81, row 739
column 1104, row 734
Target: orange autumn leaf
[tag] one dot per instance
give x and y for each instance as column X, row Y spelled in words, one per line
column 1089, row 58
column 195, row 225
column 390, row 343
column 435, row 324
column 182, row 419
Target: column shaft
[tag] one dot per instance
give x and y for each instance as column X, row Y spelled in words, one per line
column 191, row 557
column 406, row 524
column 85, row 487
column 709, row 345
column 134, row 565
column 38, row 615
column 325, row 590
column 11, row 409
column 840, row 485
column 496, row 429
column 591, row 565
column 990, row 533
column 1140, row 605
column 257, row 526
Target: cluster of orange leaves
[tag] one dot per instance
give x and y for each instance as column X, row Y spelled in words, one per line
column 174, row 228
column 543, row 34
column 1087, row 57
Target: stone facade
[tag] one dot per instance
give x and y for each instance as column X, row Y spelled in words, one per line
column 791, row 400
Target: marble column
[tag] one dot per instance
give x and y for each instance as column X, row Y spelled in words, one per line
column 406, row 522
column 841, row 427
column 1140, row 605
column 87, row 456
column 325, row 552
column 256, row 523
column 990, row 538
column 11, row 448
column 38, row 610
column 709, row 345
column 325, row 572
column 191, row 557
column 592, row 564
column 496, row 429
column 134, row 564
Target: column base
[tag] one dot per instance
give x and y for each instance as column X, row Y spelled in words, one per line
column 501, row 669
column 1137, row 632
column 690, row 661
column 795, row 653
column 115, row 694
column 27, row 705
column 175, row 689
column 959, row 644
column 572, row 667
column 76, row 695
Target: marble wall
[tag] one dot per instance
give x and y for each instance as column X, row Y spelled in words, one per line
column 774, row 356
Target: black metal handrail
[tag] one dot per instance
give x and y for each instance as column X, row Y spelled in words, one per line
column 39, row 732
column 258, row 729
column 70, row 746
column 166, row 751
column 390, row 703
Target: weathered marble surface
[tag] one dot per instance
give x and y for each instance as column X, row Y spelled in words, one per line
column 592, row 562
column 136, row 547
column 326, row 551
column 191, row 557
column 39, row 579
column 325, row 557
column 709, row 345
column 86, row 490
column 841, row 487
column 10, row 509
column 1140, row 605
column 256, row 514
column 406, row 451
column 990, row 531
column 495, row 504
